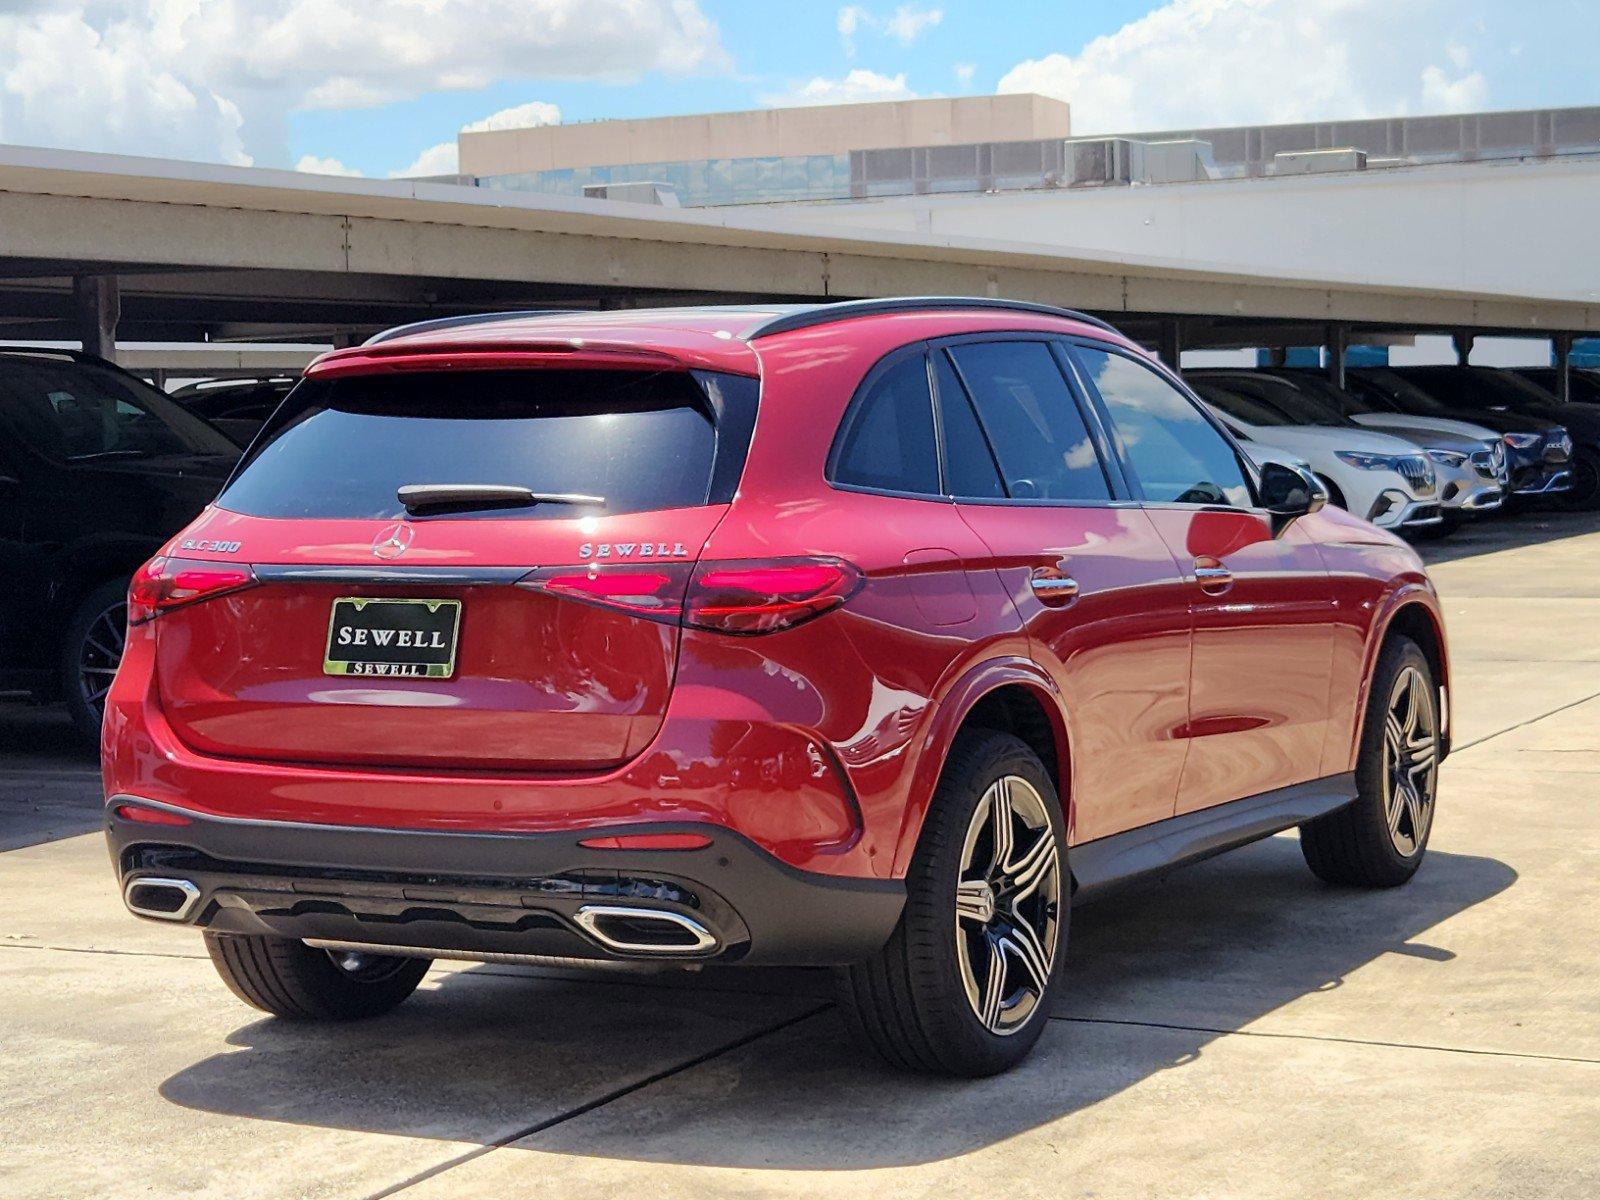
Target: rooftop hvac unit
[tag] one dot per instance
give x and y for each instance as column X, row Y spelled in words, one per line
column 1313, row 162
column 633, row 193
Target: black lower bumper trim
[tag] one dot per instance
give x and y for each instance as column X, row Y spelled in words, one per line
column 506, row 894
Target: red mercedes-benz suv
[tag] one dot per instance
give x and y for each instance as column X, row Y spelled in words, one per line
column 870, row 635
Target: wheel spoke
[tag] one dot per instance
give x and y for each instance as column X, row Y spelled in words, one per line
column 994, row 984
column 1024, row 944
column 1395, row 806
column 1421, row 758
column 1000, row 824
column 1033, row 866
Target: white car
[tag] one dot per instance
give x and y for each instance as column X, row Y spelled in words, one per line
column 1471, row 466
column 1388, row 481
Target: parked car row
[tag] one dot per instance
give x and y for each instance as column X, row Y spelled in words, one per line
column 98, row 469
column 1419, row 449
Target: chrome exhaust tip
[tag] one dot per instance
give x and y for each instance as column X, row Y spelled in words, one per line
column 161, row 899
column 644, row 930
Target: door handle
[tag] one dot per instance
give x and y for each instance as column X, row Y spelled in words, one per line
column 1212, row 576
column 1053, row 586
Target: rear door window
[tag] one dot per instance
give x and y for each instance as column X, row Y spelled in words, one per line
column 887, row 444
column 1034, row 424
column 641, row 440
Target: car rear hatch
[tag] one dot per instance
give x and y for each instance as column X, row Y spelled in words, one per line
column 518, row 614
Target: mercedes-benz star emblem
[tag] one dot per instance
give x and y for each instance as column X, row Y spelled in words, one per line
column 392, row 541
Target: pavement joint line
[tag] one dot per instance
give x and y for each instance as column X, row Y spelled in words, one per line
column 590, row 1106
column 1489, row 737
column 696, row 990
column 15, row 945
column 1321, row 1037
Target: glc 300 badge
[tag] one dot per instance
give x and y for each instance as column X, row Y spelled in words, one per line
column 209, row 545
column 632, row 550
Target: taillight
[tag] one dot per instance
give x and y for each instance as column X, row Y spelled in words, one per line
column 655, row 591
column 163, row 584
column 737, row 597
column 761, row 597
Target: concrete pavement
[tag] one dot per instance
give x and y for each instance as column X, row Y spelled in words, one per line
column 1240, row 1031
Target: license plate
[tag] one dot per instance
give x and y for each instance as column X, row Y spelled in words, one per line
column 395, row 639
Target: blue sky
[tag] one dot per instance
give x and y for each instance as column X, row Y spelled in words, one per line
column 368, row 86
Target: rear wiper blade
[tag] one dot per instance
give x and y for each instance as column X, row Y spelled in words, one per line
column 465, row 497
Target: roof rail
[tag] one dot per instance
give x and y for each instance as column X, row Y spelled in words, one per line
column 456, row 322
column 826, row 314
column 53, row 351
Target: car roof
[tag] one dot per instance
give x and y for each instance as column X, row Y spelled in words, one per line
column 712, row 337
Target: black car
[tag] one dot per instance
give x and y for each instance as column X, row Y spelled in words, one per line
column 1538, row 450
column 97, row 470
column 1508, row 392
column 238, row 407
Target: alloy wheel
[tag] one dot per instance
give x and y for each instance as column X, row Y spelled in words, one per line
column 1008, row 905
column 99, row 655
column 1410, row 761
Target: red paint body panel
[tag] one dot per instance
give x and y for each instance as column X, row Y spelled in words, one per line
column 821, row 743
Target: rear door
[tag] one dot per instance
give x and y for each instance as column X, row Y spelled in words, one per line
column 537, row 633
column 1103, row 602
column 1262, row 605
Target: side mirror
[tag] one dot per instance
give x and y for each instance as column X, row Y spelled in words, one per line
column 1289, row 493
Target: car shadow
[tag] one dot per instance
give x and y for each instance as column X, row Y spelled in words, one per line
column 1525, row 526
column 49, row 777
column 487, row 1056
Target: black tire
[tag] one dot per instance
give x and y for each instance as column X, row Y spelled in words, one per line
column 1354, row 847
column 288, row 978
column 1584, row 495
column 910, row 1002
column 91, row 648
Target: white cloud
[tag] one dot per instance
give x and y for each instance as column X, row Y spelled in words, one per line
column 440, row 159
column 910, row 22
column 964, row 73
column 857, row 86
column 851, row 17
column 1214, row 62
column 521, row 116
column 314, row 165
column 1444, row 94
column 905, row 25
column 66, row 81
column 215, row 79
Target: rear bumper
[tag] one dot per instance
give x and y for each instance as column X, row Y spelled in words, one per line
column 503, row 896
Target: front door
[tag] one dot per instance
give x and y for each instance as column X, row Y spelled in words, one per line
column 1262, row 605
column 1100, row 596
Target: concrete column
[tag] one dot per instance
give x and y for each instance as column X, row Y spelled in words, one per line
column 343, row 339
column 1338, row 346
column 1172, row 342
column 99, row 305
column 1277, row 356
column 1561, row 343
column 1463, row 341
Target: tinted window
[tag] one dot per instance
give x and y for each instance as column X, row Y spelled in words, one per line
column 1178, row 455
column 341, row 448
column 888, row 444
column 970, row 469
column 80, row 411
column 1243, row 408
column 1033, row 422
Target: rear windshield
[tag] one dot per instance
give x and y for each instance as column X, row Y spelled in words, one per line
column 641, row 441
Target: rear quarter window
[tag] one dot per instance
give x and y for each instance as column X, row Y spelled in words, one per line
column 642, row 440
